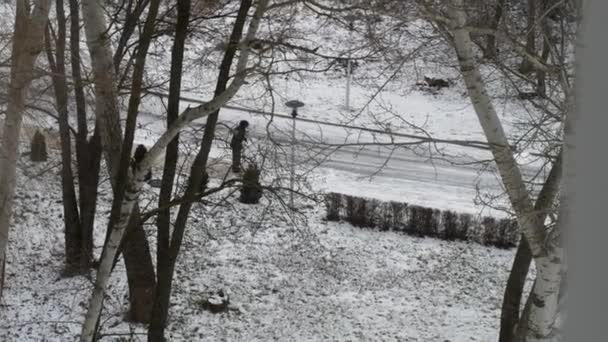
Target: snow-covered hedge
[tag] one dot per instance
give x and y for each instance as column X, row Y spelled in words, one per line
column 421, row 221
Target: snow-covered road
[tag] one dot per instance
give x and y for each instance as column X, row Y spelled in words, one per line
column 416, row 174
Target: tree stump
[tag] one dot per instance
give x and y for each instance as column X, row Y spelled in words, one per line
column 38, row 148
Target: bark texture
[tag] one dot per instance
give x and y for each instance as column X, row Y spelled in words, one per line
column 545, row 248
column 27, row 44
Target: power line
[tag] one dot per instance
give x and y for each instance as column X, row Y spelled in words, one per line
column 465, row 143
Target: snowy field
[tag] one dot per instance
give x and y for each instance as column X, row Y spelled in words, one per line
column 314, row 281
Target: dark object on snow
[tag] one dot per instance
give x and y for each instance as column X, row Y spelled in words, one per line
column 527, row 95
column 138, row 156
column 436, row 82
column 239, row 134
column 421, row 221
column 38, row 148
column 251, row 191
column 217, row 302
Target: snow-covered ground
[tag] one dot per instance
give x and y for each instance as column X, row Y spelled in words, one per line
column 317, row 281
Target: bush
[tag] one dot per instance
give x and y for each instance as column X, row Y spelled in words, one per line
column 251, row 190
column 509, row 235
column 333, row 203
column 416, row 220
column 490, row 231
column 356, row 211
column 38, row 148
column 384, row 214
column 464, row 223
column 421, row 221
column 450, row 225
column 399, row 212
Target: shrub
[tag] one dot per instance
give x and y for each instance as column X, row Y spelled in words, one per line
column 38, row 148
column 251, row 190
column 333, row 203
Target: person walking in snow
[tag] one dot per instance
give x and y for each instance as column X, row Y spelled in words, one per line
column 239, row 134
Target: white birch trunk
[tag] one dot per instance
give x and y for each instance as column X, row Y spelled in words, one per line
column 27, row 45
column 106, row 101
column 494, row 132
column 544, row 301
column 136, row 180
column 547, row 255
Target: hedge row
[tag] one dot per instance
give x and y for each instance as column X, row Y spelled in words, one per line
column 421, row 221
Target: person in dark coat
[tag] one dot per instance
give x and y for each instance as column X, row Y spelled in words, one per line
column 239, row 134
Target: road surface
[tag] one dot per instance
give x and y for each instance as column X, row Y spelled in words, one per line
column 397, row 174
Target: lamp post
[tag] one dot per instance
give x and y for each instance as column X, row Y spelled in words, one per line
column 351, row 27
column 294, row 105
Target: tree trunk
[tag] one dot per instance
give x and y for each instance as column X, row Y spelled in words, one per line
column 136, row 177
column 142, row 284
column 138, row 261
column 27, row 45
column 88, row 186
column 545, row 249
column 511, row 304
column 526, row 67
column 541, row 88
column 494, row 132
column 132, row 17
column 118, row 151
column 523, row 257
column 73, row 237
column 170, row 249
column 106, row 105
column 88, row 153
column 491, row 48
column 161, row 299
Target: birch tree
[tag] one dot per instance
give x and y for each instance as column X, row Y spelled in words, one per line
column 28, row 41
column 544, row 245
column 116, row 150
column 136, row 176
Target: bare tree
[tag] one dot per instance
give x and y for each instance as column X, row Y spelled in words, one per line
column 530, row 33
column 169, row 244
column 140, row 270
column 544, row 244
column 515, row 283
column 88, row 151
column 163, row 261
column 27, row 44
column 491, row 48
column 137, row 175
column 73, row 244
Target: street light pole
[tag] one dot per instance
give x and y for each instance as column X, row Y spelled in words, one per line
column 348, row 83
column 351, row 27
column 294, row 105
column 294, row 113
